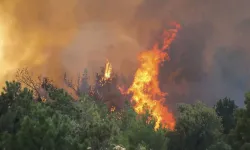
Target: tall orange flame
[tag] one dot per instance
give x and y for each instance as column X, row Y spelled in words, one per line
column 145, row 88
column 108, row 70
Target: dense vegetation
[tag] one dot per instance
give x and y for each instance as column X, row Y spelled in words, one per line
column 62, row 123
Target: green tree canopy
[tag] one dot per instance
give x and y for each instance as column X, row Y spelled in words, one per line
column 63, row 123
column 197, row 128
column 225, row 108
column 240, row 136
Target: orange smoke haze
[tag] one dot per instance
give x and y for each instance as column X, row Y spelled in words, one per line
column 51, row 37
column 33, row 32
column 41, row 35
column 145, row 87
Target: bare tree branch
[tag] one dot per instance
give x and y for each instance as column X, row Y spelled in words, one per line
column 23, row 76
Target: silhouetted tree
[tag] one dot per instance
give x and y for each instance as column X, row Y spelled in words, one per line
column 225, row 108
column 197, row 128
column 240, row 136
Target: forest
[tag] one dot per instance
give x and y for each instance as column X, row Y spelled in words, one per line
column 54, row 120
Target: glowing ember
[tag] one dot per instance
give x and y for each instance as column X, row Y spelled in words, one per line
column 145, row 88
column 43, row 99
column 122, row 90
column 112, row 109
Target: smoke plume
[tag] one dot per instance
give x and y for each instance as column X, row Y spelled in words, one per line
column 208, row 59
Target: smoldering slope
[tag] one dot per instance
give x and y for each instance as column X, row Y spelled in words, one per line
column 208, row 58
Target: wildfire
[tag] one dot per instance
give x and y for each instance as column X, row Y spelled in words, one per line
column 108, row 70
column 145, row 87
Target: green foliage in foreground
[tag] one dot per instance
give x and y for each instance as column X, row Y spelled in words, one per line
column 240, row 135
column 197, row 127
column 61, row 123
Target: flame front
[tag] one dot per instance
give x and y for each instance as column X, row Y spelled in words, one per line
column 145, row 88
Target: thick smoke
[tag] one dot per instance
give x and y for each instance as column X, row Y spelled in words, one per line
column 208, row 58
column 35, row 32
column 182, row 76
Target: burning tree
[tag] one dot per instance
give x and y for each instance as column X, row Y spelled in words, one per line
column 39, row 85
column 145, row 88
column 106, row 89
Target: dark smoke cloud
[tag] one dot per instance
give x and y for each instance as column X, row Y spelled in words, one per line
column 231, row 72
column 210, row 56
column 181, row 74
